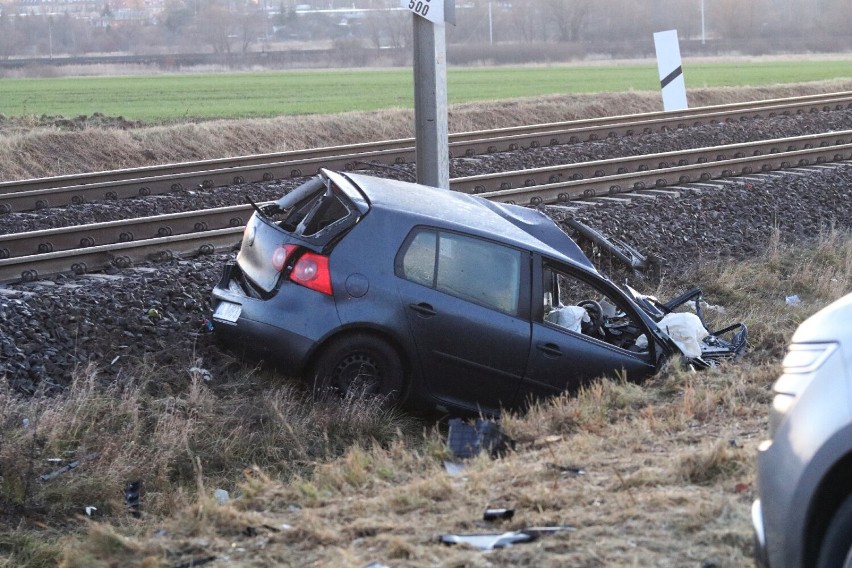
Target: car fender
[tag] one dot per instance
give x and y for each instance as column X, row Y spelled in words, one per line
column 401, row 344
column 824, row 483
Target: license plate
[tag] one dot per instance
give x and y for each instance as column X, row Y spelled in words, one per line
column 228, row 312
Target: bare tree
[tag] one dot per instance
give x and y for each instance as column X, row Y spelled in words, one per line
column 527, row 20
column 569, row 17
column 7, row 35
column 734, row 19
column 833, row 16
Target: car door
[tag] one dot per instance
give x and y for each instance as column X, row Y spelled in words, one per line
column 467, row 304
column 565, row 356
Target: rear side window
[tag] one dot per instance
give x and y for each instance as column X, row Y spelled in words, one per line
column 469, row 268
column 327, row 211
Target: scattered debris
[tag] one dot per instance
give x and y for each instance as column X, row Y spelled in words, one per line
column 195, row 562
column 68, row 467
column 793, row 300
column 221, row 496
column 132, row 497
column 498, row 514
column 199, row 373
column 466, row 441
column 453, row 468
column 502, row 540
column 566, row 470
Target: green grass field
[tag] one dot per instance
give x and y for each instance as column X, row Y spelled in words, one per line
column 164, row 98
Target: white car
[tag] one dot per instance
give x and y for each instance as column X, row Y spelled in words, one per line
column 803, row 514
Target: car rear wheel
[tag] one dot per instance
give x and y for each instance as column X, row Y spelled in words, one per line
column 357, row 366
column 836, row 549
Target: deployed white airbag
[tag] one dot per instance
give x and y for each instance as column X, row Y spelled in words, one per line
column 569, row 317
column 685, row 329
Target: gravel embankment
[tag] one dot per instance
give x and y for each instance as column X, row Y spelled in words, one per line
column 158, row 313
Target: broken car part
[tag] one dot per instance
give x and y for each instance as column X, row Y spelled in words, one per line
column 502, row 540
column 467, row 441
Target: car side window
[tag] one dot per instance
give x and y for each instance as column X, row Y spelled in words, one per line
column 418, row 260
column 466, row 267
column 574, row 305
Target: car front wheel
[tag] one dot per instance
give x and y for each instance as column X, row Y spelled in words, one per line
column 359, row 365
column 836, row 549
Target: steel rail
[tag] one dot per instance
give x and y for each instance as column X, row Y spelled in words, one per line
column 125, row 253
column 263, row 167
column 613, row 185
column 828, row 101
column 600, row 168
column 82, row 236
column 15, row 245
column 122, row 255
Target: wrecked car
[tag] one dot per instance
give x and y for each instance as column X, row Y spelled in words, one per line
column 423, row 295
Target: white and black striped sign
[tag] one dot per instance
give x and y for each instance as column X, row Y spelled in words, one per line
column 671, row 72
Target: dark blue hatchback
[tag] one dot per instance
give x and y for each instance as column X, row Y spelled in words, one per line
column 419, row 294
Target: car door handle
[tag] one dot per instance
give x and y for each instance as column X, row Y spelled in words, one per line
column 550, row 349
column 423, row 309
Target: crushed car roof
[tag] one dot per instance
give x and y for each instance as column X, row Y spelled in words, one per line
column 526, row 228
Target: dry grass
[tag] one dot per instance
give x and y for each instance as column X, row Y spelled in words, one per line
column 36, row 152
column 668, row 466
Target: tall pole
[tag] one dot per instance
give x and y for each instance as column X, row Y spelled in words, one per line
column 702, row 22
column 490, row 26
column 430, row 103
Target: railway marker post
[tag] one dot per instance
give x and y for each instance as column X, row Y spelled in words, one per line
column 432, row 145
column 671, row 72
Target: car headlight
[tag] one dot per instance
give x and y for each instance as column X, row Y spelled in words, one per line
column 801, row 361
column 801, row 364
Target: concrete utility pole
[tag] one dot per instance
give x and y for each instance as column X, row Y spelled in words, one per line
column 430, row 89
column 430, row 103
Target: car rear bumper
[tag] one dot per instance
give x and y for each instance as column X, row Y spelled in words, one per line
column 266, row 341
column 285, row 328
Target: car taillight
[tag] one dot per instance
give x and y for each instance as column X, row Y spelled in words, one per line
column 311, row 271
column 280, row 256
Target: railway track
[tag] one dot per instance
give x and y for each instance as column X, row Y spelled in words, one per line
column 32, row 255
column 27, row 195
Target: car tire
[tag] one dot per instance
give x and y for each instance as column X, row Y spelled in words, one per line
column 836, row 549
column 359, row 365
